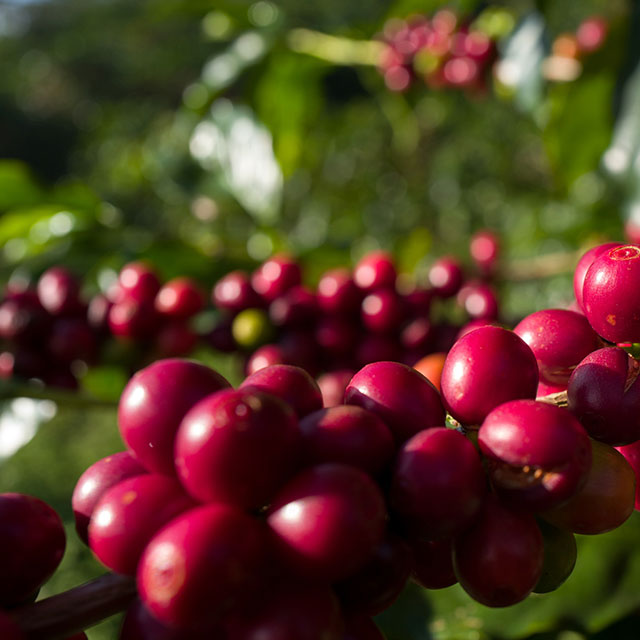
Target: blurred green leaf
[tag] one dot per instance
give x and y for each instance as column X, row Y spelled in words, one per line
column 17, row 186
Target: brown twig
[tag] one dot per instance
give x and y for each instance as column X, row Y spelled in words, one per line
column 73, row 611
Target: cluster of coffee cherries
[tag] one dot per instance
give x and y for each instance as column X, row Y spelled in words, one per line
column 51, row 333
column 352, row 317
column 32, row 543
column 588, row 38
column 441, row 50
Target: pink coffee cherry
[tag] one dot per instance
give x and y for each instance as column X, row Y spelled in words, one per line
column 604, row 394
column 479, row 300
column 559, row 339
column 538, row 455
column 446, row 277
column 58, row 291
column 610, row 309
column 484, row 369
column 405, row 400
column 438, row 483
column 234, row 293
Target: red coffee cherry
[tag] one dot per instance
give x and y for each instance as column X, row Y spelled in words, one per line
column 433, row 563
column 405, row 400
column 129, row 514
column 333, row 385
column 631, row 452
column 498, row 560
column 265, row 356
column 538, row 454
column 604, row 393
column 58, row 291
column 153, row 404
column 611, row 311
column 446, row 277
column 583, row 266
column 179, row 298
column 295, row 307
column 485, row 250
column 337, row 293
column 559, row 339
column 438, row 483
column 234, row 293
column 237, row 446
column 382, row 311
column 376, row 270
column 137, row 281
column 93, row 483
column 479, row 300
column 276, row 276
column 197, row 566
column 32, row 542
column 484, row 369
column 327, row 521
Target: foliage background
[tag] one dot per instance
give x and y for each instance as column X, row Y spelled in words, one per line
column 109, row 112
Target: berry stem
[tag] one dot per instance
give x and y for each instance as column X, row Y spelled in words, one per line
column 338, row 50
column 73, row 611
column 10, row 390
column 559, row 399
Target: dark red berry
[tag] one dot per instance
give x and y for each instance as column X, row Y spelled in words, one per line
column 276, row 276
column 433, row 563
column 446, row 277
column 179, row 298
column 137, row 281
column 234, row 293
column 375, row 270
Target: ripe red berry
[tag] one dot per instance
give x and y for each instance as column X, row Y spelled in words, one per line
column 137, row 281
column 438, row 483
column 433, row 563
column 375, row 270
column 498, row 560
column 265, row 356
column 611, row 311
column 405, row 400
column 291, row 384
column 485, row 368
column 337, row 293
column 446, row 277
column 583, row 266
column 197, row 566
column 237, row 446
column 382, row 311
column 58, row 291
column 234, row 293
column 129, row 514
column 32, row 542
column 154, row 402
column 276, row 276
column 179, row 298
column 92, row 484
column 538, row 455
column 327, row 521
column 559, row 339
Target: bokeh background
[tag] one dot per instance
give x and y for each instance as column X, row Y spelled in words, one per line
column 204, row 137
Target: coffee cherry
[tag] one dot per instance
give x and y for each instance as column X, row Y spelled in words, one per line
column 137, row 282
column 417, row 300
column 237, row 446
column 295, row 307
column 431, row 367
column 333, row 385
column 23, row 319
column 591, row 34
column 179, row 298
column 197, row 566
column 418, row 336
column 276, row 276
column 265, row 356
column 433, row 563
column 251, row 328
column 174, row 339
column 291, row 612
column 405, row 400
column 58, row 291
column 291, row 384
column 376, row 586
column 498, row 559
column 446, row 277
column 484, row 369
column 154, row 402
column 377, row 347
column 583, row 266
column 95, row 481
column 438, row 483
column 32, row 542
column 604, row 392
column 347, row 434
column 234, row 293
column 327, row 521
column 479, row 300
column 485, row 250
column 559, row 339
column 375, row 270
column 98, row 313
column 560, row 554
column 382, row 311
column 129, row 514
column 132, row 319
column 605, row 501
column 538, row 455
column 336, row 335
column 337, row 293
column 611, row 311
column 72, row 339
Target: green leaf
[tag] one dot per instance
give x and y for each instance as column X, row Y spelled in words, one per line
column 105, row 382
column 17, row 187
